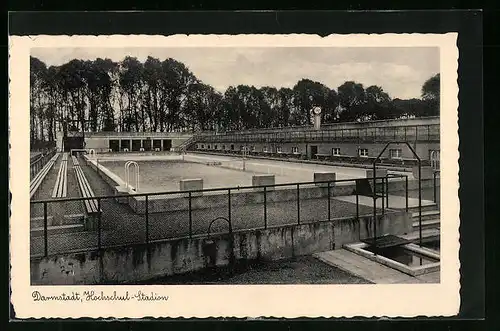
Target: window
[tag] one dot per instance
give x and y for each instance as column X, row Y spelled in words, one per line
column 264, row 149
column 335, row 151
column 224, row 147
column 215, row 146
column 363, row 152
column 295, row 150
column 395, row 153
column 202, row 146
column 242, row 148
column 209, row 146
column 278, row 149
column 232, row 147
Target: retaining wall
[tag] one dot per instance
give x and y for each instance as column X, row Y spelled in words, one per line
column 176, row 256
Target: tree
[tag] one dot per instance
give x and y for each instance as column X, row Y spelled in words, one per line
column 307, row 94
column 285, row 106
column 431, row 95
column 38, row 71
column 164, row 95
column 131, row 83
column 431, row 88
column 377, row 105
column 351, row 96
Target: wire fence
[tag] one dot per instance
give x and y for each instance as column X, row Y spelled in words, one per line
column 65, row 225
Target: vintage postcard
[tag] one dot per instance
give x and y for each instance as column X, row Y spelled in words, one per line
column 234, row 176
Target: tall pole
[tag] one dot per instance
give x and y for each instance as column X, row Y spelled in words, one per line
column 420, row 202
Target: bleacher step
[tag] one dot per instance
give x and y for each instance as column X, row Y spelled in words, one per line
column 427, row 224
column 426, row 215
column 37, row 222
column 58, row 229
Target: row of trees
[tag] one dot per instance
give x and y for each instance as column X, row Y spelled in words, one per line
column 103, row 95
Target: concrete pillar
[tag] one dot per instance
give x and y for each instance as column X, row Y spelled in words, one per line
column 161, row 144
column 192, row 185
column 324, row 176
column 260, row 180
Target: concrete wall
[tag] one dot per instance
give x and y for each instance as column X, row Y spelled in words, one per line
column 164, row 258
column 107, row 175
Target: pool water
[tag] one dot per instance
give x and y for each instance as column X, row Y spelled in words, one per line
column 434, row 244
column 165, row 175
column 402, row 255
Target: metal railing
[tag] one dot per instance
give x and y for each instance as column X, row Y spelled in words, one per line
column 39, row 163
column 189, row 214
column 429, row 120
column 434, row 178
column 428, row 132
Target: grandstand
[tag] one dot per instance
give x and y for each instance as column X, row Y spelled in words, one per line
column 359, row 142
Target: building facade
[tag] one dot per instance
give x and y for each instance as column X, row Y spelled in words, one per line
column 335, row 141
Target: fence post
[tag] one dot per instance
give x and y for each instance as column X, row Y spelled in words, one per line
column 406, row 195
column 265, row 207
column 357, row 207
column 298, row 203
column 45, row 232
column 190, row 217
column 357, row 216
column 146, row 201
column 329, row 211
column 229, row 204
column 435, row 197
column 383, row 194
column 99, row 224
column 387, row 192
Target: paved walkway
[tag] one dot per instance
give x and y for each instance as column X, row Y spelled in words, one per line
column 370, row 270
column 395, row 201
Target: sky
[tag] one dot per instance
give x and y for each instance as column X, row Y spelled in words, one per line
column 400, row 71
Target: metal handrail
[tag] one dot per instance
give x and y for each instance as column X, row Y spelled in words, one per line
column 207, row 190
column 227, row 191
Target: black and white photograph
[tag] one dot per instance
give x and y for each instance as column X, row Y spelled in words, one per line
column 236, row 164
